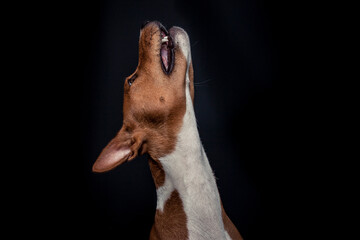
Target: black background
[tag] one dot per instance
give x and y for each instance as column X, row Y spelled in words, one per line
column 253, row 64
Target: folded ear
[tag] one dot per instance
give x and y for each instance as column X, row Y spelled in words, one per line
column 124, row 147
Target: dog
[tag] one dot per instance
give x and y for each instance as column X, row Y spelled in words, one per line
column 159, row 120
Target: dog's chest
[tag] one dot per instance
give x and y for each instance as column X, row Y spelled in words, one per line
column 193, row 181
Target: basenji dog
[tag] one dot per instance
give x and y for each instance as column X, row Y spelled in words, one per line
column 159, row 120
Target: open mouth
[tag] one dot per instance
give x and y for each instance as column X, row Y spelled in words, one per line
column 166, row 50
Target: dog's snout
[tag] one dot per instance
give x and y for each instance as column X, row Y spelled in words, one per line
column 144, row 24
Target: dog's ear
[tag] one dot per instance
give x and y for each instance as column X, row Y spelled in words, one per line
column 123, row 147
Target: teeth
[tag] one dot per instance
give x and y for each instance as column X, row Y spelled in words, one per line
column 164, row 39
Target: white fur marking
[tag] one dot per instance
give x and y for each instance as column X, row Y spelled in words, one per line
column 227, row 236
column 189, row 171
column 163, row 193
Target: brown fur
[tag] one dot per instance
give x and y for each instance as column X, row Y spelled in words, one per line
column 154, row 106
column 157, row 172
column 229, row 226
column 171, row 222
column 155, row 102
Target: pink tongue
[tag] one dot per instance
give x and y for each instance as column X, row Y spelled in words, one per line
column 164, row 57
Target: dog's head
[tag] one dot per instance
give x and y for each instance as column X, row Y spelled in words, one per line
column 154, row 97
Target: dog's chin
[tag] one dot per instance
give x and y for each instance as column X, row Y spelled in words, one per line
column 167, row 53
column 182, row 42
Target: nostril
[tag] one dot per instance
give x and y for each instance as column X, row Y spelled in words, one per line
column 144, row 24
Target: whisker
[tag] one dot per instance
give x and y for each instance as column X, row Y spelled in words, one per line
column 203, row 83
column 193, row 45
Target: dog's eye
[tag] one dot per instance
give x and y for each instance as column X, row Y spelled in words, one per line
column 131, row 80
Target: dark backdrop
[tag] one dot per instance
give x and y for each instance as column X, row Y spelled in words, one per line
column 251, row 67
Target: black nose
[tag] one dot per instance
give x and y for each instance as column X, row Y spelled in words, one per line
column 144, row 24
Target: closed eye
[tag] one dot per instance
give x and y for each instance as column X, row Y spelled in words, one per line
column 132, row 79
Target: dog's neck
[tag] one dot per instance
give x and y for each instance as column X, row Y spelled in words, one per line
column 187, row 171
